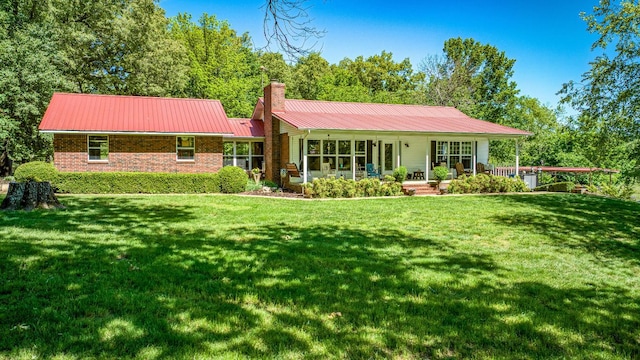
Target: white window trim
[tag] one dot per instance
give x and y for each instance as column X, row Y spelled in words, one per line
column 89, row 159
column 187, row 148
column 250, row 155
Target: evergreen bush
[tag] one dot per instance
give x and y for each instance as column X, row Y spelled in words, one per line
column 400, row 174
column 136, row 183
column 483, row 183
column 232, row 179
column 36, row 171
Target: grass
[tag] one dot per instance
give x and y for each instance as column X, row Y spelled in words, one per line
column 158, row 277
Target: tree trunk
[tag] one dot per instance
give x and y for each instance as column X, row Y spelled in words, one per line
column 30, row 195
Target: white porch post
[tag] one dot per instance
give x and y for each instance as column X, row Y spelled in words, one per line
column 304, row 161
column 426, row 161
column 353, row 166
column 474, row 150
column 426, row 166
column 399, row 149
column 517, row 158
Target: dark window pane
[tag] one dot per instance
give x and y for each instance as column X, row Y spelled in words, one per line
column 313, row 147
column 329, row 147
column 242, row 148
column 344, row 147
column 344, row 163
column 227, row 148
column 258, row 148
column 388, row 156
column 314, row 163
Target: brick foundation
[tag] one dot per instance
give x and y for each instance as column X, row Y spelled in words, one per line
column 137, row 153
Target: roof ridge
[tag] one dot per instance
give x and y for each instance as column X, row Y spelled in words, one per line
column 372, row 103
column 134, row 96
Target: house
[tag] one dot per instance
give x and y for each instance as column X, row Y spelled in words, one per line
column 128, row 133
column 148, row 134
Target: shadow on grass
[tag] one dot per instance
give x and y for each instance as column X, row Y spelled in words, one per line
column 601, row 226
column 279, row 290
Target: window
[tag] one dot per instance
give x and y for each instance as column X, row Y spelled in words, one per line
column 314, row 154
column 185, row 147
column 244, row 154
column 452, row 152
column 99, row 147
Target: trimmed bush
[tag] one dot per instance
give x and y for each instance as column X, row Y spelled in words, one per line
column 136, row 183
column 232, row 179
column 565, row 186
column 36, row 171
column 483, row 183
column 440, row 173
column 348, row 188
column 400, row 174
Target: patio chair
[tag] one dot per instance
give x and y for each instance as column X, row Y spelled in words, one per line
column 371, row 171
column 294, row 175
column 327, row 171
column 460, row 170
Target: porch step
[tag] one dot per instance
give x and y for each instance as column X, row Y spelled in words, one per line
column 421, row 189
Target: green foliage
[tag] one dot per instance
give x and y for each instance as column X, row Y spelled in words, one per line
column 222, row 64
column 232, row 179
column 400, row 174
column 348, row 188
column 271, row 184
column 252, row 186
column 473, row 77
column 37, row 171
column 483, row 183
column 564, row 186
column 619, row 191
column 440, row 173
column 545, row 178
column 136, row 183
column 607, row 98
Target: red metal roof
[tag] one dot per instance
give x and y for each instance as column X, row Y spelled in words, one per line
column 134, row 114
column 247, row 127
column 326, row 115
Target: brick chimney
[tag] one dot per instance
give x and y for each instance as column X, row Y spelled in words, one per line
column 273, row 102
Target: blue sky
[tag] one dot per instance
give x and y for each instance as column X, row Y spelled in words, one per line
column 547, row 39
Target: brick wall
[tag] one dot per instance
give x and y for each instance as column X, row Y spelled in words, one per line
column 140, row 153
column 273, row 102
column 284, row 150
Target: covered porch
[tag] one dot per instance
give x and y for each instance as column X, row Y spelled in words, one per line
column 359, row 155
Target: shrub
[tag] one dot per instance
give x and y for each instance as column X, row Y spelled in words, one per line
column 400, row 174
column 566, row 186
column 232, row 179
column 622, row 191
column 348, row 188
column 252, row 186
column 440, row 173
column 36, row 171
column 483, row 183
column 271, row 184
column 136, row 183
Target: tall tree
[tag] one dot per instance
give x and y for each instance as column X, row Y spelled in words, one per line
column 386, row 79
column 608, row 97
column 223, row 65
column 308, row 73
column 474, row 77
column 119, row 47
column 29, row 63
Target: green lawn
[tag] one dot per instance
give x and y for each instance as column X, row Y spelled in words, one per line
column 162, row 277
